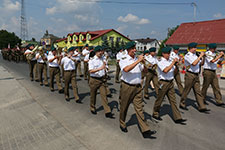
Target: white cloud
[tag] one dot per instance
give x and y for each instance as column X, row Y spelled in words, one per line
column 219, row 15
column 130, row 18
column 153, row 32
column 8, row 5
column 122, row 28
column 51, row 11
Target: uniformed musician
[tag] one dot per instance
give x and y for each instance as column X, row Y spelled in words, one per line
column 32, row 63
column 209, row 74
column 85, row 53
column 54, row 70
column 166, row 69
column 97, row 69
column 69, row 66
column 173, row 55
column 77, row 56
column 118, row 57
column 193, row 64
column 151, row 75
column 42, row 66
column 131, row 89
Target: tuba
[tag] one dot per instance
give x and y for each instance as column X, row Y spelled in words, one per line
column 42, row 54
column 31, row 56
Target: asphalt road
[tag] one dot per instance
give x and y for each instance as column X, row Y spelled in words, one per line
column 202, row 131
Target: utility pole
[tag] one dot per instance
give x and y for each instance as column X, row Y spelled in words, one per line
column 195, row 8
column 23, row 23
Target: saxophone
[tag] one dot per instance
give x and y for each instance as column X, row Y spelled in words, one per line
column 31, row 55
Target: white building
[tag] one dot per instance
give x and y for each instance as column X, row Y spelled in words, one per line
column 145, row 44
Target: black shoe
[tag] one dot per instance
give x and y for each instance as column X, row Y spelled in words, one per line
column 46, row 85
column 78, row 101
column 31, row 79
column 93, row 112
column 67, row 99
column 124, row 129
column 180, row 121
column 184, row 108
column 157, row 118
column 36, row 80
column 109, row 115
column 205, row 110
column 52, row 90
column 61, row 91
column 81, row 75
column 206, row 103
column 109, row 95
column 117, row 81
column 146, row 97
column 41, row 84
column 148, row 134
column 220, row 104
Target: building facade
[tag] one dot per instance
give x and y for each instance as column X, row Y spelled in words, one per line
column 92, row 38
column 145, row 44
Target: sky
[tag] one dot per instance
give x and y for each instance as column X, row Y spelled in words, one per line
column 61, row 17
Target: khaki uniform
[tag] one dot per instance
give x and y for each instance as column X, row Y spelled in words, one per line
column 177, row 78
column 117, row 72
column 32, row 67
column 70, row 76
column 85, row 53
column 166, row 89
column 42, row 69
column 192, row 81
column 131, row 92
column 210, row 77
column 54, row 72
column 97, row 81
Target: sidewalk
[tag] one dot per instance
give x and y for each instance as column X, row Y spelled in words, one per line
column 25, row 125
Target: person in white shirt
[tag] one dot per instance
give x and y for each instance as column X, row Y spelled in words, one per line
column 193, row 64
column 85, row 53
column 63, row 54
column 209, row 74
column 173, row 55
column 32, row 62
column 77, row 55
column 69, row 65
column 97, row 69
column 54, row 70
column 166, row 69
column 41, row 57
column 151, row 75
column 131, row 89
column 118, row 57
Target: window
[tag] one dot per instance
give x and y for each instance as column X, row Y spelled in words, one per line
column 111, row 39
column 118, row 39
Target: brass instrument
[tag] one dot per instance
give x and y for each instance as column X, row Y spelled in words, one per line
column 42, row 54
column 148, row 65
column 31, row 55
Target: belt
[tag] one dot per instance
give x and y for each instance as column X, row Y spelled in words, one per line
column 98, row 78
column 166, row 80
column 193, row 73
column 136, row 85
column 53, row 67
column 41, row 63
column 69, row 70
column 210, row 70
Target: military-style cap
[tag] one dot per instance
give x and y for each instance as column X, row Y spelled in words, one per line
column 212, row 45
column 130, row 45
column 98, row 48
column 29, row 45
column 152, row 49
column 192, row 45
column 53, row 48
column 91, row 47
column 86, row 45
column 176, row 47
column 71, row 49
column 146, row 51
column 166, row 49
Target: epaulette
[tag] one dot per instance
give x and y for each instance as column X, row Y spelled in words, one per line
column 123, row 58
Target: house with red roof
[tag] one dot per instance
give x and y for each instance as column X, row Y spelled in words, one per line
column 92, row 38
column 203, row 33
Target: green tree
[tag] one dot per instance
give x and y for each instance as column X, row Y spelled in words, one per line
column 169, row 34
column 105, row 42
column 8, row 38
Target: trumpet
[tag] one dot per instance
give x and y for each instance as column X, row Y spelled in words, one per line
column 149, row 65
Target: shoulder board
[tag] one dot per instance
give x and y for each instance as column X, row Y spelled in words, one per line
column 123, row 58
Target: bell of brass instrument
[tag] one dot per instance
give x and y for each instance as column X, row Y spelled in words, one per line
column 148, row 65
column 42, row 53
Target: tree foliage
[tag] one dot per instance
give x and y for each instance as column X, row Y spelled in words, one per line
column 8, row 38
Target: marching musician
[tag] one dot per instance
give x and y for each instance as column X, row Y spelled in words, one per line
column 118, row 57
column 166, row 69
column 209, row 74
column 131, row 89
column 69, row 65
column 41, row 57
column 32, row 62
column 193, row 64
column 151, row 75
column 173, row 55
column 85, row 53
column 54, row 70
column 77, row 55
column 97, row 69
